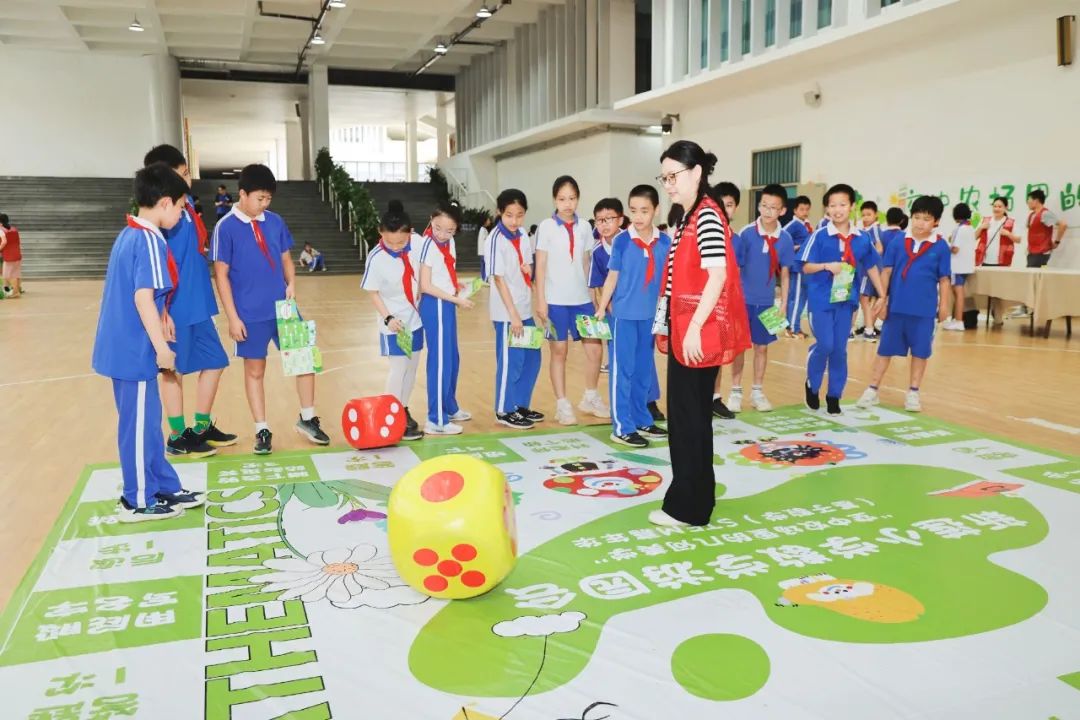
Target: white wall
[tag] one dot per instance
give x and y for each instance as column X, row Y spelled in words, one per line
column 932, row 109
column 85, row 114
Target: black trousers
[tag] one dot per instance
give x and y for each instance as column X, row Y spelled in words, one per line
column 1037, row 260
column 692, row 493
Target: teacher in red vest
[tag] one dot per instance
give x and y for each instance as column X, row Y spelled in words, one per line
column 1044, row 230
column 703, row 315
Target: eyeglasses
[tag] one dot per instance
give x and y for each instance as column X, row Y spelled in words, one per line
column 669, row 179
column 606, row 220
column 766, row 210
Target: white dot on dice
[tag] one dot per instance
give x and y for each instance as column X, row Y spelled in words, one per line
column 389, row 420
column 394, row 407
column 352, row 415
column 385, row 432
column 354, row 433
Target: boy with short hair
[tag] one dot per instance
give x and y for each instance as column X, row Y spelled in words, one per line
column 636, row 274
column 799, row 229
column 728, row 195
column 130, row 347
column 254, row 269
column 1045, row 231
column 223, row 202
column 189, row 327
column 312, row 259
column 917, row 276
column 835, row 244
column 895, row 224
column 764, row 253
column 872, row 229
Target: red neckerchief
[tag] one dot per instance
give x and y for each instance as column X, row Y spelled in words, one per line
column 848, row 254
column 515, row 240
column 569, row 231
column 261, row 242
column 170, row 262
column 200, row 226
column 809, row 227
column 774, row 256
column 648, row 248
column 909, row 243
column 407, row 272
column 448, row 258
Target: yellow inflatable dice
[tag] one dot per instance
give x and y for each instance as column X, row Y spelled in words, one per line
column 451, row 527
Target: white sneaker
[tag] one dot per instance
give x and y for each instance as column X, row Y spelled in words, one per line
column 734, row 401
column 868, row 399
column 594, row 405
column 759, row 402
column 461, row 416
column 911, row 402
column 956, row 325
column 564, row 413
column 659, row 517
column 447, row 429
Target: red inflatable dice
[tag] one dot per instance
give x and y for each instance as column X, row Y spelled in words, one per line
column 373, row 422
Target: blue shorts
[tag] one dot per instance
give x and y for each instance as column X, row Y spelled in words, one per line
column 388, row 346
column 198, row 348
column 564, row 318
column 758, row 334
column 865, row 286
column 903, row 334
column 960, row 280
column 259, row 335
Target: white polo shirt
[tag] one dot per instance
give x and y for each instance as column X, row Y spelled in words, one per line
column 566, row 281
column 502, row 261
column 384, row 273
column 432, row 256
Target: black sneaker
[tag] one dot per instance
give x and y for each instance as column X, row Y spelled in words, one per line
column 262, row 442
column 159, row 511
column 657, row 416
column 531, row 415
column 720, row 410
column 190, row 445
column 411, row 425
column 653, row 432
column 311, row 430
column 412, row 432
column 214, row 437
column 182, row 498
column 514, row 420
column 812, row 400
column 631, row 439
column 832, row 405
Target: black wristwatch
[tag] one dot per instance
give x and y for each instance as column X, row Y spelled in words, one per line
column 387, row 319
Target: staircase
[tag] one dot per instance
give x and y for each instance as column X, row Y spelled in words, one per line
column 419, row 200
column 310, row 220
column 67, row 225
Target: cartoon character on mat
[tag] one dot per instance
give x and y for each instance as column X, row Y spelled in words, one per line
column 859, row 599
column 585, row 478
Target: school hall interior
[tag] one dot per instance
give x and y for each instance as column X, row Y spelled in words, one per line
column 918, row 564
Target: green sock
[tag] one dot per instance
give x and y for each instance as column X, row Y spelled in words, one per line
column 201, row 422
column 176, row 425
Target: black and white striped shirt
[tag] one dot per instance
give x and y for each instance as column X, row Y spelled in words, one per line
column 710, row 239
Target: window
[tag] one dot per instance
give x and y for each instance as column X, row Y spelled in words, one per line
column 704, row 34
column 795, row 29
column 887, row 3
column 725, row 34
column 780, row 165
column 746, row 13
column 770, row 23
column 824, row 14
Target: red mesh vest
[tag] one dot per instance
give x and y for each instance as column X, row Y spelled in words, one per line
column 1005, row 246
column 1040, row 238
column 726, row 332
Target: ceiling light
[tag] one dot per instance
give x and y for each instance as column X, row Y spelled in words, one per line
column 318, row 39
column 441, row 49
column 135, row 25
column 337, row 3
column 483, row 12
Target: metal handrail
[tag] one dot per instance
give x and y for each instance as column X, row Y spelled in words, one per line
column 463, row 189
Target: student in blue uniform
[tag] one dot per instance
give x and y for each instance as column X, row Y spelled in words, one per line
column 508, row 260
column 764, row 252
column 636, row 273
column 130, row 347
column 563, row 242
column 223, row 202
column 822, row 258
column 799, row 228
column 391, row 278
column 254, row 269
column 917, row 271
column 895, row 224
column 872, row 229
column 439, row 303
column 727, row 194
column 608, row 216
column 190, row 329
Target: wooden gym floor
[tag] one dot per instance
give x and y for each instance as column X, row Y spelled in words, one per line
column 59, row 417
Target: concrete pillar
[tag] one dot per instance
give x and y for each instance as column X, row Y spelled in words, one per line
column 441, row 129
column 410, row 138
column 308, row 158
column 318, row 111
column 294, row 150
